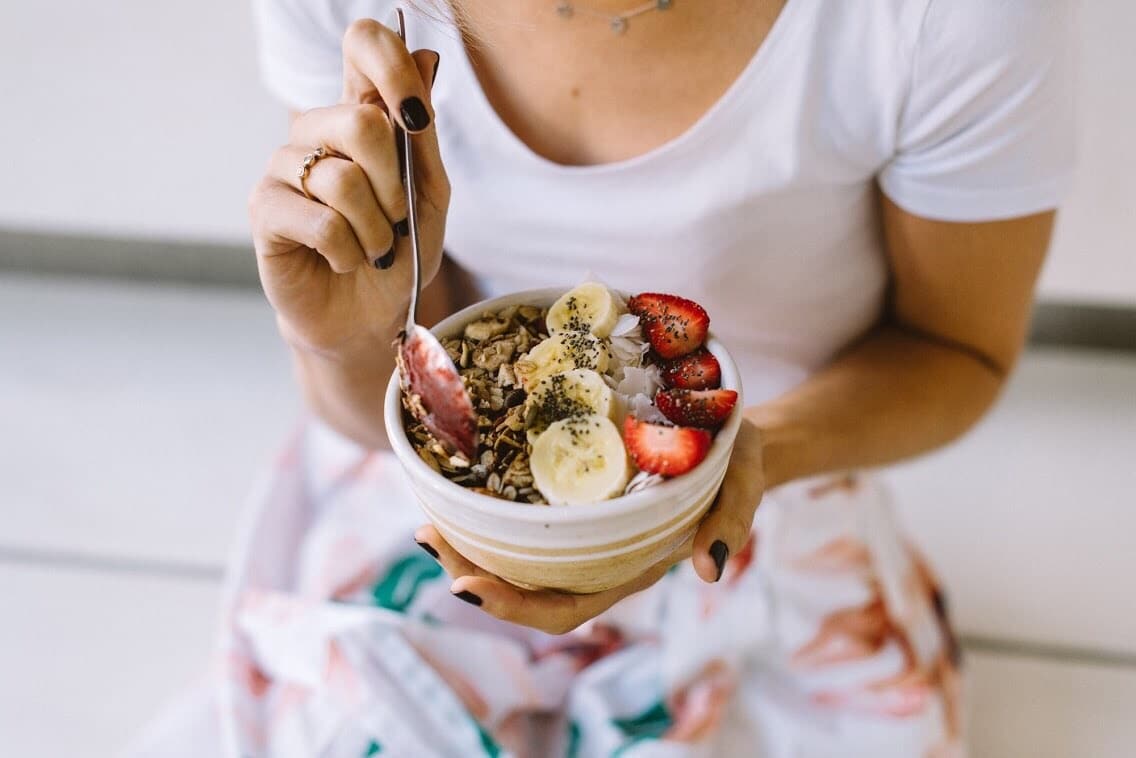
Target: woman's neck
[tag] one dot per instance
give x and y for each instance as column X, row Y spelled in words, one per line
column 576, row 93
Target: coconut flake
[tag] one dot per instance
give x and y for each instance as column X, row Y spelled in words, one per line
column 643, row 408
column 627, row 325
column 642, row 481
column 640, row 380
column 623, row 353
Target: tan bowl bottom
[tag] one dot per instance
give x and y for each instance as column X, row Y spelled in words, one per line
column 584, row 575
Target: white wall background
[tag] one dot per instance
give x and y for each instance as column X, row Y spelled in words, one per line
column 137, row 118
column 132, row 117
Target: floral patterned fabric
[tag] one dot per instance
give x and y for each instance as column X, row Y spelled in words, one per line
column 827, row 636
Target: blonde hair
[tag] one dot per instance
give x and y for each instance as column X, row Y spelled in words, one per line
column 449, row 13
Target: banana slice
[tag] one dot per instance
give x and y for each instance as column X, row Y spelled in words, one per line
column 580, row 460
column 569, row 393
column 590, row 307
column 559, row 353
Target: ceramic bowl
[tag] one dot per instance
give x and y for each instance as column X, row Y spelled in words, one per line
column 582, row 548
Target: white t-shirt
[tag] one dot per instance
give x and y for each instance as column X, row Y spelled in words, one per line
column 764, row 210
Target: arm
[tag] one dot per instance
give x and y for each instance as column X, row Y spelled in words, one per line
column 953, row 329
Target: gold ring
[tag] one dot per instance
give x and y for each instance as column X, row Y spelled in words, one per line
column 306, row 168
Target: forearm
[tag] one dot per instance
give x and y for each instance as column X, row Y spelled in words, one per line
column 347, row 391
column 893, row 395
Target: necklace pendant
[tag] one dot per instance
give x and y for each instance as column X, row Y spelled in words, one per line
column 565, row 10
column 618, row 24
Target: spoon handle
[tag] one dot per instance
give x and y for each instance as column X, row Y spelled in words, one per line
column 403, row 137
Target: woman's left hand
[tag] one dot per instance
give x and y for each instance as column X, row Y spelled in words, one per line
column 723, row 531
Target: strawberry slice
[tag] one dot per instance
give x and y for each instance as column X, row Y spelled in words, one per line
column 706, row 409
column 667, row 450
column 673, row 325
column 698, row 371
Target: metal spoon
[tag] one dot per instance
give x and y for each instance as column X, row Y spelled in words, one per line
column 429, row 378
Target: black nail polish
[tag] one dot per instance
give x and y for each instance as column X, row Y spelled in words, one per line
column 434, row 76
column 719, row 552
column 414, row 114
column 469, row 597
column 386, row 261
column 428, row 548
column 402, row 228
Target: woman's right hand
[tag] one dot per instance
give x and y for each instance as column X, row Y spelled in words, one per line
column 337, row 267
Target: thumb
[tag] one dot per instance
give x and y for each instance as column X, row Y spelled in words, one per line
column 427, row 62
column 726, row 528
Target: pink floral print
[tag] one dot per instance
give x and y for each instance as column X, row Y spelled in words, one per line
column 341, row 639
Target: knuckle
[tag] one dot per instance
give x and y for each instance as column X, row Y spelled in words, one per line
column 365, row 124
column 256, row 203
column 362, row 29
column 300, row 123
column 391, row 47
column 330, row 228
column 341, row 266
column 351, row 180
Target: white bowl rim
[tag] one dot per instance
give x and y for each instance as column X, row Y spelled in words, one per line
column 495, row 507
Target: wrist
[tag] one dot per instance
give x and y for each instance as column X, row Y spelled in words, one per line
column 783, row 445
column 354, row 350
column 345, row 386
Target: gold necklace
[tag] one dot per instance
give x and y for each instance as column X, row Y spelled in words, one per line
column 617, row 22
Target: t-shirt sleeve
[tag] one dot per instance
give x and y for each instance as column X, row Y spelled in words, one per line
column 987, row 130
column 300, row 51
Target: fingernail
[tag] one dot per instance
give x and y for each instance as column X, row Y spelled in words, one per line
column 434, row 76
column 469, row 597
column 427, row 547
column 414, row 114
column 386, row 261
column 719, row 552
column 402, row 228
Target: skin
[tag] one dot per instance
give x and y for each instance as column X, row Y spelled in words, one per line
column 952, row 330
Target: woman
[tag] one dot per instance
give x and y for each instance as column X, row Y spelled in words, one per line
column 860, row 192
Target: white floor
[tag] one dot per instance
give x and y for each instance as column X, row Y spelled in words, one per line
column 134, row 420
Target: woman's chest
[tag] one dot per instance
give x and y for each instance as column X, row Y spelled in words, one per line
column 792, row 268
column 577, row 94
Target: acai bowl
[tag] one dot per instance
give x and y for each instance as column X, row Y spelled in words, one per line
column 576, row 522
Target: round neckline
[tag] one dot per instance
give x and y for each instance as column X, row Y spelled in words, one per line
column 753, row 70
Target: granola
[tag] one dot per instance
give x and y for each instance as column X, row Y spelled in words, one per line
column 485, row 355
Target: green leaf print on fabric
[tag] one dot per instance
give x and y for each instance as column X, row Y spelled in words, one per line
column 573, row 750
column 399, row 586
column 373, row 749
column 492, row 749
column 648, row 725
